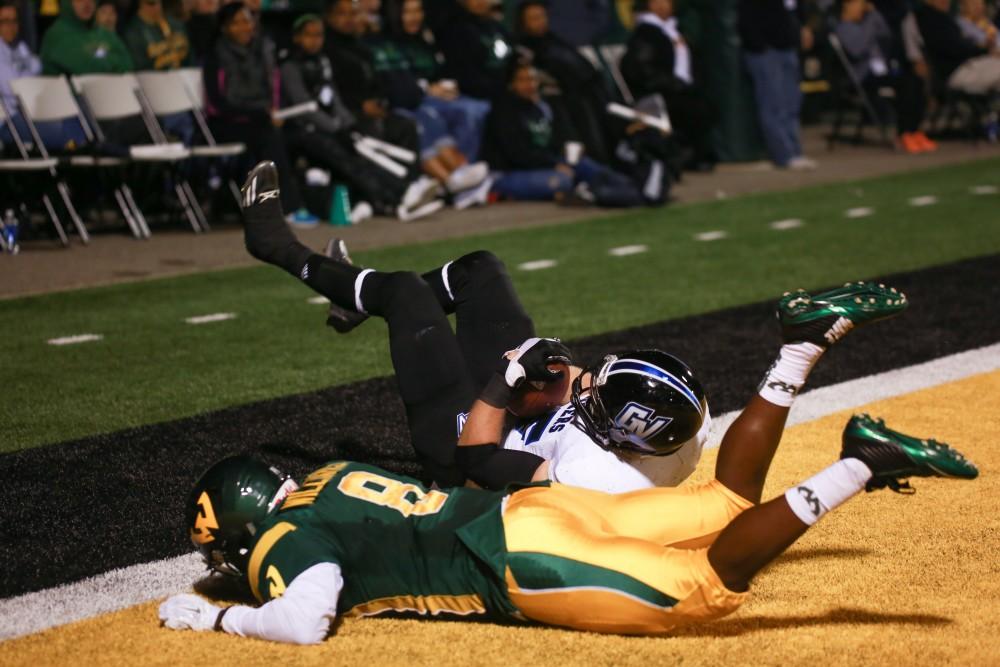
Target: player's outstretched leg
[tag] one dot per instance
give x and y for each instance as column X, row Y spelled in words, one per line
column 872, row 457
column 809, row 325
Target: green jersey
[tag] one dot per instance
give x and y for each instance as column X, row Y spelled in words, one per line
column 400, row 546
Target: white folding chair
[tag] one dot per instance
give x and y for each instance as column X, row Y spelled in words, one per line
column 115, row 97
column 34, row 172
column 50, row 99
column 178, row 91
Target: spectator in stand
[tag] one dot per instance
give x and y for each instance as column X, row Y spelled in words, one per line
column 521, row 143
column 242, row 90
column 477, row 49
column 954, row 58
column 581, row 87
column 16, row 61
column 106, row 15
column 159, row 42
column 155, row 40
column 324, row 136
column 359, row 84
column 975, row 25
column 201, row 28
column 75, row 45
column 658, row 62
column 450, row 127
column 772, row 33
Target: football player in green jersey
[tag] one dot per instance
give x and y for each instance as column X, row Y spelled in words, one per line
column 354, row 540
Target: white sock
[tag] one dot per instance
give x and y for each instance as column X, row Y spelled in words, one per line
column 828, row 489
column 358, row 282
column 788, row 373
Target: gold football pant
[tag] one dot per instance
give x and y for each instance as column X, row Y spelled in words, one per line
column 631, row 563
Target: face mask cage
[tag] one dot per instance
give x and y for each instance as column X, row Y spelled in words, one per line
column 590, row 413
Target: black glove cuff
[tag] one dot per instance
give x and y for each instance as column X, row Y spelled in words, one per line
column 496, row 393
column 218, row 619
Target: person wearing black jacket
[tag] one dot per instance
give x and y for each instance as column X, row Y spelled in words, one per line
column 658, row 62
column 582, row 99
column 954, row 58
column 324, row 136
column 450, row 126
column 520, row 142
column 242, row 90
column 358, row 83
column 771, row 32
column 477, row 48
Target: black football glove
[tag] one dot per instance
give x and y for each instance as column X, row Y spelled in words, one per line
column 527, row 363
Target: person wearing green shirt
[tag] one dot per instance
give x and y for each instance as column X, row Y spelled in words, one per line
column 156, row 41
column 73, row 45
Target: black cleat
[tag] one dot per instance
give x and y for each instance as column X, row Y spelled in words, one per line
column 341, row 319
column 265, row 231
column 893, row 456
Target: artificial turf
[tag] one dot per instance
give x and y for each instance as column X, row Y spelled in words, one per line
column 150, row 366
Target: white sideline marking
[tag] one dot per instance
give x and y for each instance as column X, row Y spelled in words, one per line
column 853, row 393
column 926, row 200
column 100, row 594
column 711, row 236
column 786, row 224
column 983, row 189
column 624, row 250
column 214, row 317
column 73, row 340
column 117, row 589
column 859, row 212
column 537, row 265
column 317, row 300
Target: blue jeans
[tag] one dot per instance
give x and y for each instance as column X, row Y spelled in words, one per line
column 442, row 123
column 609, row 187
column 775, row 76
column 55, row 135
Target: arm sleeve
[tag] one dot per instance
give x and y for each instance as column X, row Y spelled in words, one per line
column 494, row 468
column 302, row 615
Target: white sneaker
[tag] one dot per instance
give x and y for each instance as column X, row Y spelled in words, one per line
column 410, row 214
column 362, row 211
column 467, row 176
column 476, row 196
column 801, row 163
column 421, row 191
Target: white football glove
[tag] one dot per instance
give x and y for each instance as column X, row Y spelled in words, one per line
column 531, row 359
column 188, row 612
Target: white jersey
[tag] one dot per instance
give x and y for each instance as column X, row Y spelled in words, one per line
column 575, row 459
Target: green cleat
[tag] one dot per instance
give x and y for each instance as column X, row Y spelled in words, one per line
column 825, row 318
column 892, row 455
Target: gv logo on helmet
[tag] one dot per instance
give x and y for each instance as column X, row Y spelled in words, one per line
column 639, row 421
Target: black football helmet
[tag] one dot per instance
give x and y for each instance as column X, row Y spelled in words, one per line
column 226, row 506
column 644, row 400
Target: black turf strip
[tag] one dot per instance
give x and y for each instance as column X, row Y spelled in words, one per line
column 79, row 508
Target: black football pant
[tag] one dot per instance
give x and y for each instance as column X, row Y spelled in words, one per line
column 439, row 372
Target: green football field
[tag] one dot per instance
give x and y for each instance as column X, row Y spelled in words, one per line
column 151, row 366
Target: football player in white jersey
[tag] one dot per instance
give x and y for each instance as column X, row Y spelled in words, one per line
column 634, row 420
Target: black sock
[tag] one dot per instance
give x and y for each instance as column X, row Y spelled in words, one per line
column 334, row 280
column 269, row 239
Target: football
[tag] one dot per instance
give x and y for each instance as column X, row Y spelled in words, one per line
column 536, row 398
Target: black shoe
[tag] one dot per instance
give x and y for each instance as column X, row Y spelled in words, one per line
column 892, row 455
column 341, row 319
column 265, row 231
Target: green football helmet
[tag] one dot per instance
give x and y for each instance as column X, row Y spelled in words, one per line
column 226, row 506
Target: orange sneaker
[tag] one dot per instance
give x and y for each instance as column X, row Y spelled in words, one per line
column 925, row 142
column 910, row 143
